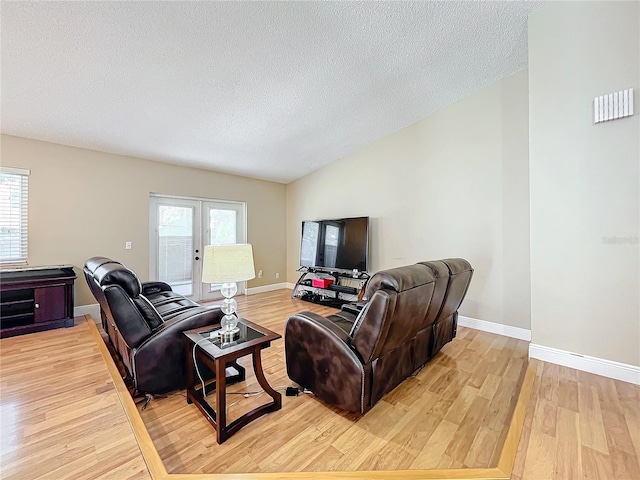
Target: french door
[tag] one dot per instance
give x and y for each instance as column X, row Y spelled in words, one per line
column 179, row 228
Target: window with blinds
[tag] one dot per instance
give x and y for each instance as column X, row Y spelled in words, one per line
column 14, row 196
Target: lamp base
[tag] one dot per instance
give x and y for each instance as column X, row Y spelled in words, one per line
column 229, row 335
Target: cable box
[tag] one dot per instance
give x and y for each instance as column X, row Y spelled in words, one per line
column 343, row 289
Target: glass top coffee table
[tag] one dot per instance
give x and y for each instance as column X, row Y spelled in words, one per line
column 217, row 355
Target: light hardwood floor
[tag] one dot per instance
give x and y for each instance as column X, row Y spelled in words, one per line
column 60, row 417
column 454, row 414
column 579, row 425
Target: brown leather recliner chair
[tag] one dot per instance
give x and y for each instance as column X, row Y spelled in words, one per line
column 144, row 322
column 409, row 315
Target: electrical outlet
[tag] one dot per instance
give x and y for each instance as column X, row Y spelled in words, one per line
column 277, row 274
column 127, row 245
column 259, row 273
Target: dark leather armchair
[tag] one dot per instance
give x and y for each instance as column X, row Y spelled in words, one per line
column 352, row 361
column 144, row 322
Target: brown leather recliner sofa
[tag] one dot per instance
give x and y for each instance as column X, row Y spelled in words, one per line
column 144, row 322
column 352, row 361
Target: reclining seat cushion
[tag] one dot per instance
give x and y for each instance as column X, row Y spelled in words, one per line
column 344, row 320
column 149, row 313
column 170, row 304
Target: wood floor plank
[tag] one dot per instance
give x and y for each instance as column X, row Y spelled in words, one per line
column 356, row 445
column 632, row 418
column 541, row 458
column 618, row 437
column 460, row 406
column 64, row 419
column 416, row 433
column 436, row 446
column 481, row 452
column 389, row 457
column 592, row 430
column 568, row 452
column 598, row 439
column 596, row 464
column 489, row 386
column 460, row 444
column 326, row 460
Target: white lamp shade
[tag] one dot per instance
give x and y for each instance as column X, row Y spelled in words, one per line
column 228, row 263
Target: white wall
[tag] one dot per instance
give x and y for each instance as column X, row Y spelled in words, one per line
column 452, row 185
column 584, row 180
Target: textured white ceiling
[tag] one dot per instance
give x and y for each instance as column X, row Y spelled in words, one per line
column 270, row 90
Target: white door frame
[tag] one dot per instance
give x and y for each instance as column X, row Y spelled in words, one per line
column 201, row 235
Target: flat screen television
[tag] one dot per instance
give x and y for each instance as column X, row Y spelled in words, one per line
column 339, row 244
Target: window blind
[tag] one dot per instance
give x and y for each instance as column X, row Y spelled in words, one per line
column 14, row 198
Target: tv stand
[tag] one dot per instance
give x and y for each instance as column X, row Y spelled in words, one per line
column 344, row 288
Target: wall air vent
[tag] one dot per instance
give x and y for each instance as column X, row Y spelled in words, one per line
column 613, row 106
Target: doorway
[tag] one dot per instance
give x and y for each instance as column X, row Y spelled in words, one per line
column 179, row 228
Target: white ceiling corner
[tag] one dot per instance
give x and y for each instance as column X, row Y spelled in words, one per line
column 270, row 90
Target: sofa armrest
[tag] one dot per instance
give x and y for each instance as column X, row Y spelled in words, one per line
column 355, row 307
column 155, row 287
column 319, row 358
column 159, row 362
column 328, row 324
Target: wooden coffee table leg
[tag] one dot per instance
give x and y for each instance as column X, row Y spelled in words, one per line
column 257, row 368
column 221, row 400
column 190, row 368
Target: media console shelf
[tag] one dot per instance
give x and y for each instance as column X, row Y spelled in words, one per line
column 35, row 298
column 344, row 283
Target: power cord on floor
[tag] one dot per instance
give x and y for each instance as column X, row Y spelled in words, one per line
column 195, row 364
column 290, row 391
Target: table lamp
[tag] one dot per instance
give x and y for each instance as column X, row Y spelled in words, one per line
column 228, row 264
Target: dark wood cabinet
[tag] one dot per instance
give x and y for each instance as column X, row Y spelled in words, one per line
column 36, row 298
column 49, row 303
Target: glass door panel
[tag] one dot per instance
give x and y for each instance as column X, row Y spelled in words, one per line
column 179, row 228
column 175, row 247
column 223, row 221
column 222, row 226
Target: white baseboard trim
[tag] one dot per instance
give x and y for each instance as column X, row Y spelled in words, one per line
column 290, row 285
column 497, row 328
column 265, row 288
column 599, row 366
column 93, row 310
